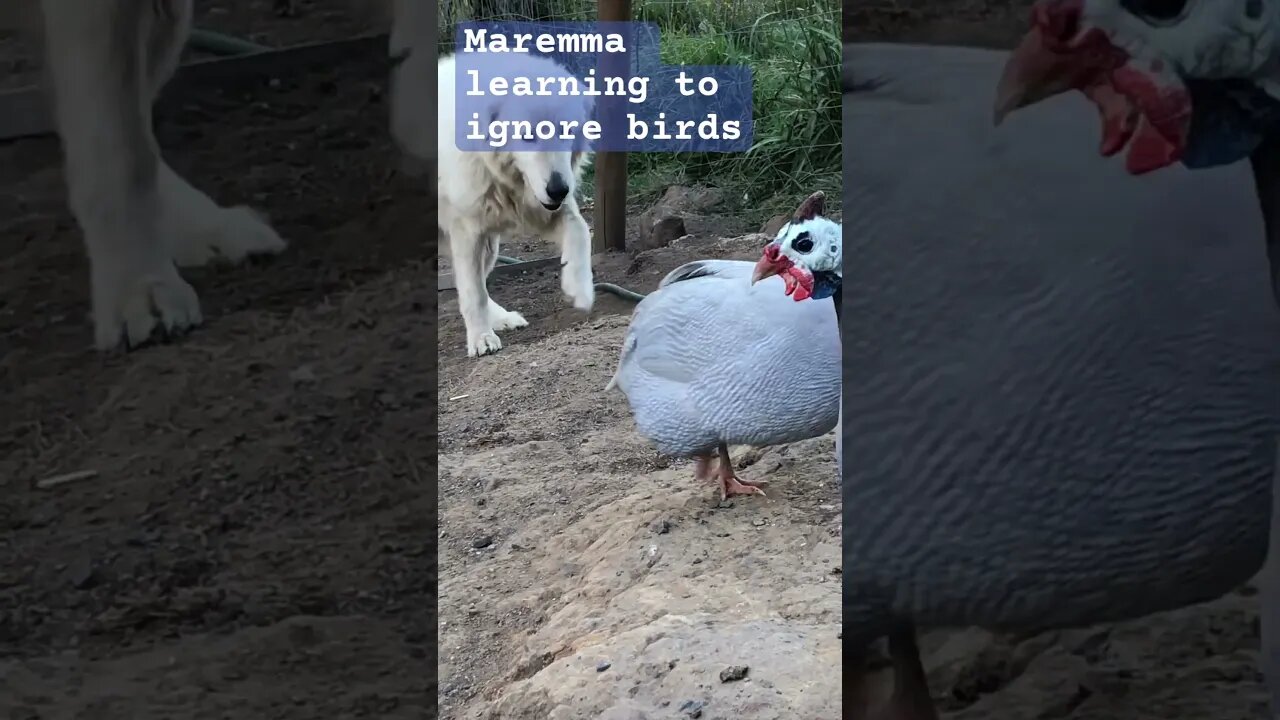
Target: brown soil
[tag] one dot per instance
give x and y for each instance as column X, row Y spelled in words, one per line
column 607, row 583
column 258, row 539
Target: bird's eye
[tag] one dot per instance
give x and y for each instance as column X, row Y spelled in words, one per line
column 803, row 243
column 1157, row 10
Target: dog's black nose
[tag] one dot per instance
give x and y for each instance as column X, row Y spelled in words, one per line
column 557, row 188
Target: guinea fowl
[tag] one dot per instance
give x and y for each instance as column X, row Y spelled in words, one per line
column 1067, row 400
column 713, row 358
column 810, row 264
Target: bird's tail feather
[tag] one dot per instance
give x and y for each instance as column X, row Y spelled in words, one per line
column 627, row 346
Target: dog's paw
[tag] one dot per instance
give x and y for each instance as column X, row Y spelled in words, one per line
column 483, row 343
column 579, row 287
column 132, row 308
column 227, row 234
column 506, row 320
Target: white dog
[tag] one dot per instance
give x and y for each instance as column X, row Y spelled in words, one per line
column 106, row 61
column 488, row 194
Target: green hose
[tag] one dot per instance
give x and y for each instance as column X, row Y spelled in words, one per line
column 219, row 44
column 620, row 291
column 610, row 288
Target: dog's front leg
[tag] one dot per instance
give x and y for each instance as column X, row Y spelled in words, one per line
column 575, row 258
column 97, row 55
column 469, row 248
column 196, row 228
column 500, row 318
column 200, row 231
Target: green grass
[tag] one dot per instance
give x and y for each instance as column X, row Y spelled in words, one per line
column 793, row 47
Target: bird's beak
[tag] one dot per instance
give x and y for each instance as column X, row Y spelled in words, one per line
column 1032, row 74
column 771, row 263
column 765, row 267
column 1143, row 104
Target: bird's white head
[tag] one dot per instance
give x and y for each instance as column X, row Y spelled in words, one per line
column 807, row 253
column 1191, row 81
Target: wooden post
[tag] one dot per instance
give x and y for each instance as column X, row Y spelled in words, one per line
column 611, row 167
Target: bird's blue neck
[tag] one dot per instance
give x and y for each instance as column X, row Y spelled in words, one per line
column 1230, row 119
column 825, row 285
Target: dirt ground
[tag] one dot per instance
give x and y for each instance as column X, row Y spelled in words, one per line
column 258, row 540
column 582, row 576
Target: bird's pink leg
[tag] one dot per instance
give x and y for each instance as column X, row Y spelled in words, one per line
column 731, row 484
column 703, row 466
column 911, row 699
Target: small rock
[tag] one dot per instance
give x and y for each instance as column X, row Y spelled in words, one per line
column 771, row 467
column 758, row 522
column 775, row 224
column 667, row 230
column 482, row 542
column 659, row 227
column 692, row 708
column 733, row 673
column 679, row 197
column 303, row 635
column 662, row 527
column 303, row 375
column 603, row 665
column 81, row 574
column 725, row 504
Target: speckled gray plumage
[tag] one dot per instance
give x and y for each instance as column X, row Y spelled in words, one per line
column 1067, row 389
column 713, row 358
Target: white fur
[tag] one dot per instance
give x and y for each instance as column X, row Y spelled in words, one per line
column 484, row 196
column 107, row 60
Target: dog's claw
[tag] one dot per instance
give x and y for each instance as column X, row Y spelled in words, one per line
column 485, row 343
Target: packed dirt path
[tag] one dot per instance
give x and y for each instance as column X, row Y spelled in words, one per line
column 584, row 576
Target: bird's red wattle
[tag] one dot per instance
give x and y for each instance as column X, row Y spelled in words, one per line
column 1144, row 105
column 799, row 282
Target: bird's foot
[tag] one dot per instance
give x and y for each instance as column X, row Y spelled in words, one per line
column 719, row 467
column 731, row 485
